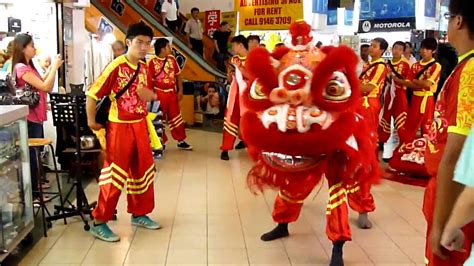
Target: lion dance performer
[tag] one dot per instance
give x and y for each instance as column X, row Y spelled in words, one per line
column 299, row 122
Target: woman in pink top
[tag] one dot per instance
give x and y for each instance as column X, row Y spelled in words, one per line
column 25, row 72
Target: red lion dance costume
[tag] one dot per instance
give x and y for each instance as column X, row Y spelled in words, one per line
column 300, row 123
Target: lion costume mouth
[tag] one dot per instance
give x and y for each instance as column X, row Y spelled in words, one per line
column 289, row 163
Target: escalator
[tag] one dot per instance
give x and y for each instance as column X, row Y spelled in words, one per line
column 153, row 8
column 124, row 12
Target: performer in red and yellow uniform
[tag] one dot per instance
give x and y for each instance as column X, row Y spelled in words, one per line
column 452, row 122
column 394, row 112
column 164, row 76
column 423, row 82
column 395, row 101
column 372, row 80
column 232, row 112
column 129, row 164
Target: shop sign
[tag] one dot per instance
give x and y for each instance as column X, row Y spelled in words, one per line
column 14, row 25
column 268, row 14
column 212, row 21
column 387, row 25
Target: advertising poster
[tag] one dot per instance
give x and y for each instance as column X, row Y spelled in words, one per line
column 320, row 6
column 268, row 14
column 332, row 17
column 430, row 8
column 386, row 15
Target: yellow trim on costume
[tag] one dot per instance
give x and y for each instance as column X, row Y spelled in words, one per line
column 426, row 63
column 427, row 261
column 335, row 196
column 116, row 167
column 334, row 187
column 150, row 176
column 111, row 181
column 150, row 182
column 228, row 130
column 352, row 190
column 459, row 130
column 425, row 95
column 462, row 57
column 231, row 124
column 285, row 198
column 366, row 104
column 147, row 172
column 331, row 207
column 154, row 139
column 165, row 90
column 176, row 125
column 109, row 177
column 100, row 81
column 175, row 119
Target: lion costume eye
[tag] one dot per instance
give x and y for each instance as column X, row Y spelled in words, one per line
column 338, row 88
column 256, row 91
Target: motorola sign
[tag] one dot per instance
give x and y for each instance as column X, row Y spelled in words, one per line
column 401, row 24
column 366, row 26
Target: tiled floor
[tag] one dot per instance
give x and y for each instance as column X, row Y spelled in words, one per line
column 209, row 217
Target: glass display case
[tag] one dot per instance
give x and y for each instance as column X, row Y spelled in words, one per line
column 16, row 206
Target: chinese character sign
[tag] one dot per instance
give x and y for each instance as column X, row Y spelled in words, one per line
column 212, row 21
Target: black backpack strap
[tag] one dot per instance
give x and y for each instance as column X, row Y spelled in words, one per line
column 369, row 68
column 393, row 70
column 418, row 75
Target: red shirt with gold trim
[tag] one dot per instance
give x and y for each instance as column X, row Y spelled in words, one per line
column 375, row 76
column 163, row 72
column 402, row 67
column 129, row 108
column 454, row 111
column 432, row 74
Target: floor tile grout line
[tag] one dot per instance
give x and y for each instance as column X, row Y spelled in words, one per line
column 389, row 236
column 207, row 213
column 50, row 248
column 406, row 220
column 240, row 218
column 175, row 211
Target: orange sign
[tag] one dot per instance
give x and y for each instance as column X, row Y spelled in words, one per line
column 268, row 14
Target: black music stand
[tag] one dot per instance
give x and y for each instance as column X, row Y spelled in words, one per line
column 70, row 110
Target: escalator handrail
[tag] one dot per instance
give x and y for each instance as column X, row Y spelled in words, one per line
column 176, row 40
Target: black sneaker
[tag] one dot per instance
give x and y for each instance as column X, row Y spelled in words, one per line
column 225, row 156
column 240, row 146
column 184, row 146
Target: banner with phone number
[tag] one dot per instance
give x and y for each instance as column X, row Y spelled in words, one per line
column 268, row 14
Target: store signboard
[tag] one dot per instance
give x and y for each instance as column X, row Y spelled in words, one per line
column 212, row 21
column 268, row 14
column 384, row 15
column 387, row 25
column 14, row 25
